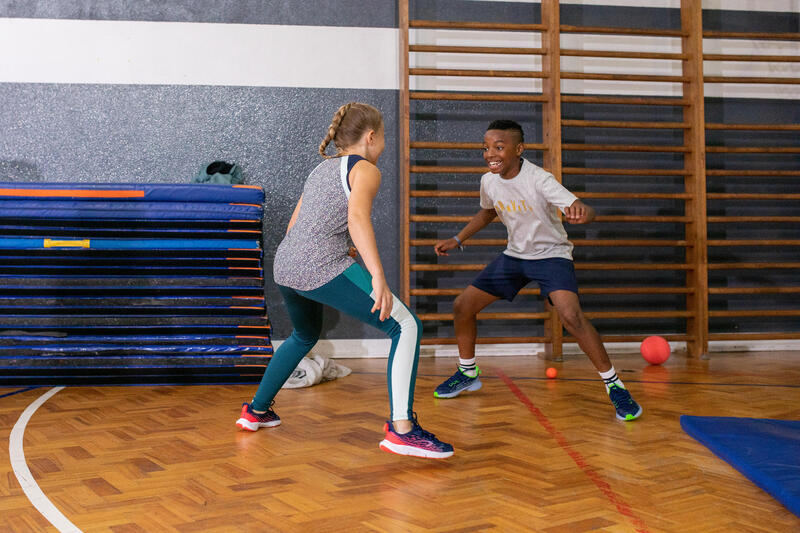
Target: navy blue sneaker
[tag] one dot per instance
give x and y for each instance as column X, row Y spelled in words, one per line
column 417, row 442
column 627, row 409
column 458, row 383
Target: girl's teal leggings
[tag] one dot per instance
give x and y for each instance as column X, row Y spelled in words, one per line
column 350, row 292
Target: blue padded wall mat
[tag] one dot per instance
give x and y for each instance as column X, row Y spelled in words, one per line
column 131, row 284
column 127, row 210
column 765, row 451
column 151, row 192
column 35, row 243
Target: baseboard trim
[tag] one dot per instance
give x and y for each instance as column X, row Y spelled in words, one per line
column 378, row 348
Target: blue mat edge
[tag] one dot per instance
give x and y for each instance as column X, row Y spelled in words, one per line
column 765, row 483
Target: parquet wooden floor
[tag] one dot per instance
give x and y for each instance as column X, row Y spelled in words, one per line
column 152, row 459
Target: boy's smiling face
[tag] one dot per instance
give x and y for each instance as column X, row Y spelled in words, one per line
column 501, row 151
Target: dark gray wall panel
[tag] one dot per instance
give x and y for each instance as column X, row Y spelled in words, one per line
column 358, row 13
column 103, row 133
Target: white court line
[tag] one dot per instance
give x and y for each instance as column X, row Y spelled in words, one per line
column 23, row 473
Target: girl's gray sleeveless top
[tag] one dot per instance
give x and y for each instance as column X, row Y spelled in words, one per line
column 315, row 249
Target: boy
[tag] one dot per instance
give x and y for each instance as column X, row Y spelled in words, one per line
column 523, row 195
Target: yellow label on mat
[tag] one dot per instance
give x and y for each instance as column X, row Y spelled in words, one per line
column 53, row 243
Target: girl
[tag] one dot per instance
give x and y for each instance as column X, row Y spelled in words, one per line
column 313, row 268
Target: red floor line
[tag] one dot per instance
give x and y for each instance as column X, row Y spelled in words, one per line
column 590, row 472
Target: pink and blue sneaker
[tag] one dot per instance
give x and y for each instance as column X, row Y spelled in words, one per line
column 251, row 421
column 417, row 442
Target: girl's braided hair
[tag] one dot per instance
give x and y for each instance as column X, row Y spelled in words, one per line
column 348, row 125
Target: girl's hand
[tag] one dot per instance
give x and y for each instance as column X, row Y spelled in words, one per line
column 579, row 213
column 383, row 298
column 442, row 247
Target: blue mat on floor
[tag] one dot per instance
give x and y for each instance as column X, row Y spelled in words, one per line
column 766, row 451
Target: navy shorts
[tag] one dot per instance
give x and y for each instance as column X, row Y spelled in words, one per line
column 505, row 276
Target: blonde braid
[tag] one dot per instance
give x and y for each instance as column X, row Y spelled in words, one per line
column 337, row 120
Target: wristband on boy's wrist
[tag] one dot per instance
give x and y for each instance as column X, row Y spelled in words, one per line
column 460, row 244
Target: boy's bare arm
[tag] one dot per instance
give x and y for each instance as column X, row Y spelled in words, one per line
column 481, row 219
column 579, row 213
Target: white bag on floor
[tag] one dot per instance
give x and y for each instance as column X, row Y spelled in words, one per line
column 314, row 369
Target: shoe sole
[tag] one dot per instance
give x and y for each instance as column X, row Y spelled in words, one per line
column 634, row 417
column 412, row 451
column 476, row 385
column 246, row 425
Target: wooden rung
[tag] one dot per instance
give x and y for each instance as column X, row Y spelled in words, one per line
column 634, row 338
column 435, row 48
column 576, row 242
column 427, row 267
column 754, row 312
column 745, row 173
column 487, row 316
column 710, row 34
column 477, row 73
column 625, row 171
column 633, row 266
column 423, row 169
column 497, row 97
column 622, row 148
column 748, row 79
column 444, row 194
column 637, row 314
column 432, row 169
column 459, row 25
column 778, row 127
column 622, row 195
column 598, row 218
column 623, row 77
column 624, row 100
column 754, row 149
column 755, row 242
column 737, row 220
column 753, row 336
column 464, row 146
column 620, row 31
column 427, row 341
column 751, row 196
column 583, row 290
column 635, row 195
column 754, row 290
column 641, row 218
column 624, row 124
column 630, row 55
column 750, row 266
column 751, row 57
column 441, row 218
column 543, row 316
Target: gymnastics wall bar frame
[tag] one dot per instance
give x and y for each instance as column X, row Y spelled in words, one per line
column 694, row 195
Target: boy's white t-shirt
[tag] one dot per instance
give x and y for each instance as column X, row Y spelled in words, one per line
column 524, row 204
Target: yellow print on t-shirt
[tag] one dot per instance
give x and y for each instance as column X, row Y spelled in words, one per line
column 512, row 206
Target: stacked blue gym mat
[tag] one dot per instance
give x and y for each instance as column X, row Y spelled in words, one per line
column 131, row 284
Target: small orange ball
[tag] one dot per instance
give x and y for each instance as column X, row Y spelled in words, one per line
column 551, row 372
column 655, row 349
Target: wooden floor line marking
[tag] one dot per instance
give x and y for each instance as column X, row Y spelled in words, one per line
column 17, row 456
column 590, row 472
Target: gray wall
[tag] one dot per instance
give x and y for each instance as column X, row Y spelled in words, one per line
column 157, row 133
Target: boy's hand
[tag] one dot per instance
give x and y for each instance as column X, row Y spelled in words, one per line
column 442, row 247
column 579, row 213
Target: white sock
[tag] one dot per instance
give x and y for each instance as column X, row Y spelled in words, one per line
column 610, row 377
column 468, row 367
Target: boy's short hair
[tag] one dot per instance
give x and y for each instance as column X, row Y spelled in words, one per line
column 505, row 124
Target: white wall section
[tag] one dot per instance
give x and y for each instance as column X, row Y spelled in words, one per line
column 183, row 53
